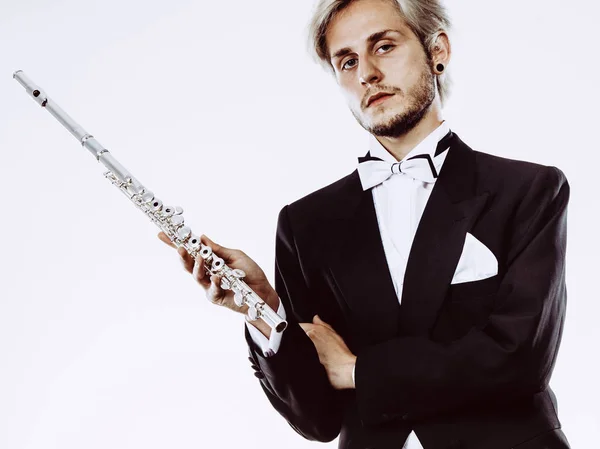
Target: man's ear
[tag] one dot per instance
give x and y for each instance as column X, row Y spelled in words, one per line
column 441, row 50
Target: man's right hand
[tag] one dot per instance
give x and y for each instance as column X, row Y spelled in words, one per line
column 234, row 258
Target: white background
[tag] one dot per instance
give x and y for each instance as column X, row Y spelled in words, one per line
column 105, row 342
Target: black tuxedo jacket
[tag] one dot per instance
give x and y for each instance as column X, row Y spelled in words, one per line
column 465, row 365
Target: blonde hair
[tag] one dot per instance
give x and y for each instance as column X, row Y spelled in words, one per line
column 426, row 19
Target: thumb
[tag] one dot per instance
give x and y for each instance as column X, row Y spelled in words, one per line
column 221, row 251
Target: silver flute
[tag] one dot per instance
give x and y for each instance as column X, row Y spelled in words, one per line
column 168, row 219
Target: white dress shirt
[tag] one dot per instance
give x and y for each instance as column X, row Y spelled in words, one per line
column 399, row 203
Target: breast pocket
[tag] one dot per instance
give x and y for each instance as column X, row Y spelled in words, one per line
column 471, row 291
column 467, row 305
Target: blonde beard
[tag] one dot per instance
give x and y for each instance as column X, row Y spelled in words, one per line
column 421, row 97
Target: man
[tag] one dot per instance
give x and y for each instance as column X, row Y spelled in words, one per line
column 425, row 292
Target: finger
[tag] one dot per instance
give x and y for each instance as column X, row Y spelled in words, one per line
column 306, row 327
column 317, row 320
column 215, row 293
column 224, row 253
column 162, row 236
column 186, row 259
column 199, row 272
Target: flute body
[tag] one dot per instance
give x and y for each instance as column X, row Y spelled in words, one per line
column 169, row 219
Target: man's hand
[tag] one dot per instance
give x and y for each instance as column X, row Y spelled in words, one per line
column 334, row 355
column 234, row 258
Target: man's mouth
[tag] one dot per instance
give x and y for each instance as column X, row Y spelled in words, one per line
column 376, row 99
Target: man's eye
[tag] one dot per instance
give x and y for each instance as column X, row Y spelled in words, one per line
column 344, row 66
column 385, row 45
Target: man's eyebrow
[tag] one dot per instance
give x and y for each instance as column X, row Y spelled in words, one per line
column 372, row 38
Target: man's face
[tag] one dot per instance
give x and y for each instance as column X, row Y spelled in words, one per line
column 393, row 62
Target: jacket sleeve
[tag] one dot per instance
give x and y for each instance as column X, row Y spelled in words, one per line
column 512, row 354
column 293, row 379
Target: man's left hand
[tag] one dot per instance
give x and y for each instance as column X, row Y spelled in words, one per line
column 334, row 355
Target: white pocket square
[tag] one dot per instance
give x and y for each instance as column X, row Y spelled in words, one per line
column 476, row 262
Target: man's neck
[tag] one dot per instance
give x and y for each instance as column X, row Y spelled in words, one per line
column 399, row 147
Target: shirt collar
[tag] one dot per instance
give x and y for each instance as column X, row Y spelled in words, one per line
column 426, row 146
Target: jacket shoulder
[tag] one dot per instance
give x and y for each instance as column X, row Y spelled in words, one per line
column 499, row 170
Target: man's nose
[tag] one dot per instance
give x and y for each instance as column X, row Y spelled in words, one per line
column 369, row 73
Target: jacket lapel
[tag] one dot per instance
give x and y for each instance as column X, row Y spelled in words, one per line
column 359, row 266
column 450, row 213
